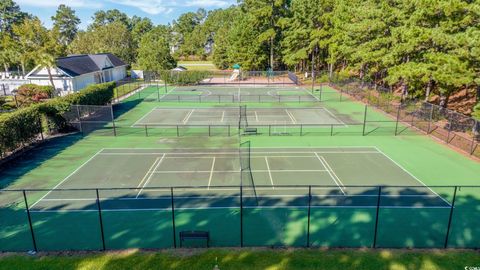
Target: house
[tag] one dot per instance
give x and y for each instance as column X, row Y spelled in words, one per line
column 75, row 72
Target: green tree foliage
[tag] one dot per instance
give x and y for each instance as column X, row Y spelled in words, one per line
column 67, row 23
column 103, row 18
column 154, row 51
column 10, row 14
column 113, row 37
column 31, row 93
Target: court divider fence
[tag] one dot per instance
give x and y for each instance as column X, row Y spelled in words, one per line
column 450, row 127
column 291, row 216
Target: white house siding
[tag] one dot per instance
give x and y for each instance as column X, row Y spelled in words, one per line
column 119, row 73
column 62, row 85
column 83, row 81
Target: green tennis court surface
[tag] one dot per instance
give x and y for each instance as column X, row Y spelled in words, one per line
column 231, row 116
column 143, row 178
column 205, row 93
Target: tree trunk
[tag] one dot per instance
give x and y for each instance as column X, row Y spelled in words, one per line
column 404, row 90
column 429, row 89
column 51, row 79
column 271, row 53
column 330, row 71
column 5, row 66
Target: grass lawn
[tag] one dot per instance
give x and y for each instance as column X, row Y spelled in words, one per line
column 197, row 65
column 250, row 259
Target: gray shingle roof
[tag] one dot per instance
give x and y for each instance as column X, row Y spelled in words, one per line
column 76, row 65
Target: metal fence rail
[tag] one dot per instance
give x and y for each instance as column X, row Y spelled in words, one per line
column 448, row 126
column 299, row 216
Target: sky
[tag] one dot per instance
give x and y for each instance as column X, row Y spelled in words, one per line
column 159, row 11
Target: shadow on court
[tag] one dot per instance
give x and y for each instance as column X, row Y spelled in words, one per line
column 273, row 223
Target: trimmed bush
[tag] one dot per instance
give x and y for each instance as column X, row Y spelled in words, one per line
column 24, row 125
column 33, row 93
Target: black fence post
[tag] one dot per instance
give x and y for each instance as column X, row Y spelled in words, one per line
column 113, row 121
column 146, row 131
column 269, row 130
column 396, row 122
column 452, row 206
column 331, row 129
column 241, row 216
column 100, row 219
column 309, row 213
column 34, row 242
column 301, row 129
column 178, row 132
column 173, row 219
column 376, row 217
column 364, row 120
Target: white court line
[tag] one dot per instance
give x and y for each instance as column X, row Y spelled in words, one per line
column 334, row 116
column 294, row 121
column 237, row 171
column 269, row 172
column 329, row 168
column 143, row 117
column 167, row 197
column 413, row 176
column 330, row 173
column 231, row 153
column 310, row 93
column 211, row 173
column 256, row 116
column 150, row 177
column 65, row 179
column 188, row 116
column 169, row 209
column 223, row 116
column 148, row 172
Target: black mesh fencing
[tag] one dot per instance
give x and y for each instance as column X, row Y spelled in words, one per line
column 450, row 127
column 292, row 216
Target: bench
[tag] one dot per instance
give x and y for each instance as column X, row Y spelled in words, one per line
column 194, row 235
column 250, row 131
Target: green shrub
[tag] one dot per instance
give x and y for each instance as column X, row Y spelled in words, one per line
column 33, row 93
column 476, row 111
column 24, row 125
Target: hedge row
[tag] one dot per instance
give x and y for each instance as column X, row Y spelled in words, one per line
column 24, row 125
column 184, row 77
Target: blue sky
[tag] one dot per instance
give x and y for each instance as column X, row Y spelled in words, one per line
column 159, row 11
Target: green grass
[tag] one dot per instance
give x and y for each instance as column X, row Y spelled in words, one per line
column 250, row 259
column 197, row 65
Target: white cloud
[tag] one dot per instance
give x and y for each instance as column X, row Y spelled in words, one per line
column 152, row 7
column 56, row 3
column 155, row 7
column 207, row 3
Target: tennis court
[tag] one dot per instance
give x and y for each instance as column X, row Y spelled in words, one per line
column 231, row 116
column 244, row 93
column 209, row 179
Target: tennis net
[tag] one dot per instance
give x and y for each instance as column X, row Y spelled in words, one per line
column 246, row 175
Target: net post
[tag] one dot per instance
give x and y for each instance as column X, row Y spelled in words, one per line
column 364, row 120
column 173, row 218
column 209, row 133
column 165, row 85
column 27, row 208
column 301, row 129
column 396, row 122
column 379, row 195
column 320, row 93
column 452, row 206
column 178, row 134
column 99, row 207
column 241, row 216
column 309, row 212
column 331, row 130
column 269, row 130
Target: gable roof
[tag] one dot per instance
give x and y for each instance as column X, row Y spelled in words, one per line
column 75, row 65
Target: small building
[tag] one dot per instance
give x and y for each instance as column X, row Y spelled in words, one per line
column 75, row 72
